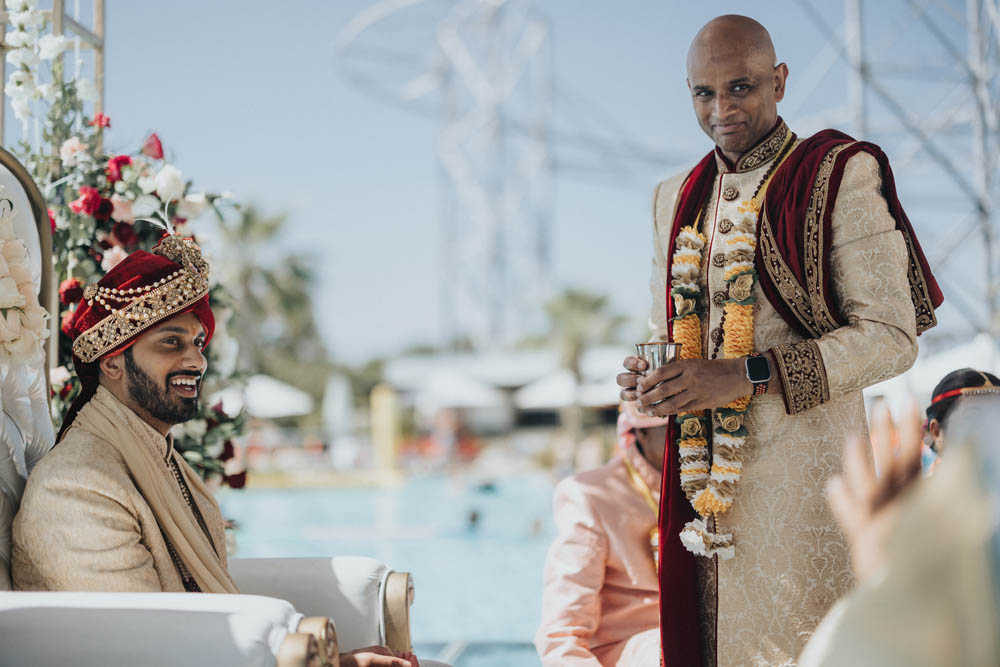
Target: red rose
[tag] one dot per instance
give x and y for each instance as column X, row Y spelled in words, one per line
column 236, row 480
column 100, row 120
column 152, row 147
column 66, row 324
column 125, row 234
column 104, row 210
column 114, row 168
column 52, row 220
column 228, row 451
column 65, row 391
column 70, row 291
column 89, row 201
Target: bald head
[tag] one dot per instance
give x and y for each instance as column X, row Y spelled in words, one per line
column 735, row 82
column 724, row 36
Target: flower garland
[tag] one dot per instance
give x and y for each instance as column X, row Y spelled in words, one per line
column 23, row 326
column 711, row 488
column 26, row 49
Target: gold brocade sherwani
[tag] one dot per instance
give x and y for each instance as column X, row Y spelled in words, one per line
column 791, row 560
column 84, row 526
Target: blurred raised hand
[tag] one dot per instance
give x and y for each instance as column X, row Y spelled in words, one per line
column 865, row 502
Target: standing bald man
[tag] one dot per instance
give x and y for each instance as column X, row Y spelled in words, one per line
column 789, row 272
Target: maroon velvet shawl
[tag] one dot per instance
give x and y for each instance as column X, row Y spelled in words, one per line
column 786, row 205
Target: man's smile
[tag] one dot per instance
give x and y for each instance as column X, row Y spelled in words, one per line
column 186, row 385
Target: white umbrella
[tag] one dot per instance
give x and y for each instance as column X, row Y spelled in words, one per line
column 265, row 397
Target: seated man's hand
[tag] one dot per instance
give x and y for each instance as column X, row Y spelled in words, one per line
column 378, row 656
column 685, row 385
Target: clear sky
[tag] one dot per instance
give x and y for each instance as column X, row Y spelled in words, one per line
column 247, row 97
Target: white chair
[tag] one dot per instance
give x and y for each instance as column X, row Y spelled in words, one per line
column 279, row 624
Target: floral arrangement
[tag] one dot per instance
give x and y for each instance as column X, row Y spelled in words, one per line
column 710, row 486
column 23, row 326
column 100, row 207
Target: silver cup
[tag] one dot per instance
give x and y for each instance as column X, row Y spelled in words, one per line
column 657, row 354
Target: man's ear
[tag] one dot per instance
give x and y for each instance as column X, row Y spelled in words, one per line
column 934, row 428
column 780, row 76
column 113, row 367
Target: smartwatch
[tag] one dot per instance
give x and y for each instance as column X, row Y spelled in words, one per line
column 758, row 372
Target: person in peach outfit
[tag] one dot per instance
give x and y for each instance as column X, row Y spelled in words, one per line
column 600, row 600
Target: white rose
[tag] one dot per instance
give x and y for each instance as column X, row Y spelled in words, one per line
column 52, row 46
column 19, row 57
column 33, row 318
column 49, row 92
column 85, row 90
column 20, row 84
column 196, row 428
column 19, row 271
column 58, row 376
column 70, row 151
column 21, row 108
column 27, row 18
column 121, row 209
column 10, row 296
column 146, row 183
column 192, row 206
column 27, row 347
column 169, row 183
column 112, row 257
column 17, row 39
column 19, row 5
column 10, row 325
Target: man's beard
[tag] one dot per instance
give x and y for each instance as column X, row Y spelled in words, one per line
column 159, row 403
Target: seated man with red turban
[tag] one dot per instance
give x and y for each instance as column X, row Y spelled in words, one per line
column 113, row 506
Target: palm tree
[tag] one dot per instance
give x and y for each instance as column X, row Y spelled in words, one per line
column 273, row 320
column 578, row 320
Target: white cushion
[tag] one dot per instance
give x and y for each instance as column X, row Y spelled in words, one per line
column 150, row 629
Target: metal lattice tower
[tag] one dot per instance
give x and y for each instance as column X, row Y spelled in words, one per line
column 484, row 68
column 927, row 90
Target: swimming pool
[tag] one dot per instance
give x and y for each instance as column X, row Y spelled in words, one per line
column 475, row 550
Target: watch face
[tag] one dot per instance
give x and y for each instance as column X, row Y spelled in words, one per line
column 758, row 369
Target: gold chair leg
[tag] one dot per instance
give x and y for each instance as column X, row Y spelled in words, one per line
column 323, row 629
column 299, row 649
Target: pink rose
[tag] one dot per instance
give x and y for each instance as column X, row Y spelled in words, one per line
column 100, row 120
column 112, row 258
column 121, row 209
column 152, row 147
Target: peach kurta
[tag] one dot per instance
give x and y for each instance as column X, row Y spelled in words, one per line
column 600, row 601
column 791, row 562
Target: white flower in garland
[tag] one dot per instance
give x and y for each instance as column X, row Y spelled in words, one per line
column 22, row 57
column 52, row 46
column 17, row 39
column 86, row 90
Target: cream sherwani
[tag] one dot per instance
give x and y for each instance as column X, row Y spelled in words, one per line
column 791, row 561
column 84, row 526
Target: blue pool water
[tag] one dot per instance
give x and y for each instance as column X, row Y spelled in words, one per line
column 476, row 582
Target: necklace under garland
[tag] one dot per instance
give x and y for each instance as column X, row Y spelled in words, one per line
column 711, row 488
